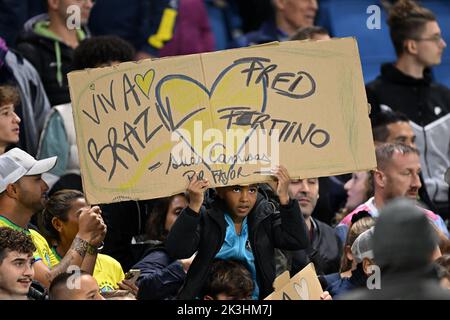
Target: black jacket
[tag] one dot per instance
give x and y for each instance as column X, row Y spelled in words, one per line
column 427, row 105
column 205, row 233
column 324, row 251
column 51, row 63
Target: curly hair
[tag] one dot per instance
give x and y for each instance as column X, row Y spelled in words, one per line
column 96, row 51
column 230, row 277
column 406, row 21
column 9, row 95
column 14, row 240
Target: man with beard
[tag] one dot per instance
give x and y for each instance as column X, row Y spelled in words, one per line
column 396, row 175
column 16, row 264
column 324, row 245
column 22, row 194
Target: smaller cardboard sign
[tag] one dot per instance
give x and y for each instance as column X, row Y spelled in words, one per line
column 303, row 286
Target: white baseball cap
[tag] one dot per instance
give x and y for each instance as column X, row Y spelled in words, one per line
column 16, row 163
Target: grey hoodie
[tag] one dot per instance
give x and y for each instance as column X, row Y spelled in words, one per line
column 34, row 102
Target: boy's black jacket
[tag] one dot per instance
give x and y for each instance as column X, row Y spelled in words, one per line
column 205, row 233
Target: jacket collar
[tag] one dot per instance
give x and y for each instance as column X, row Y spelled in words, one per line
column 392, row 74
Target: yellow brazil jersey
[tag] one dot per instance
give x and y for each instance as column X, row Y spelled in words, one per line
column 43, row 251
column 107, row 271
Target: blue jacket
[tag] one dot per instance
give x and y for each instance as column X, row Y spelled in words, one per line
column 268, row 32
column 161, row 277
column 345, row 285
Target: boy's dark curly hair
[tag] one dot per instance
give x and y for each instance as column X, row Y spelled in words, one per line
column 102, row 50
column 14, row 240
column 230, row 277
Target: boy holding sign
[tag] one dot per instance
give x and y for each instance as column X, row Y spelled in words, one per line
column 239, row 224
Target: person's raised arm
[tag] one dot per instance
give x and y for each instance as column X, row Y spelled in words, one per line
column 184, row 236
column 291, row 233
column 90, row 229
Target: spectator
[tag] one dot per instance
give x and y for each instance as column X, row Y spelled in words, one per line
column 48, row 43
column 87, row 288
column 324, row 249
column 289, row 16
column 16, row 264
column 9, row 121
column 404, row 247
column 361, row 223
column 362, row 254
column 359, row 189
column 407, row 86
column 22, row 194
column 58, row 137
column 394, row 127
column 161, row 276
column 59, row 224
column 223, row 232
column 34, row 105
column 397, row 175
column 146, row 24
column 228, row 280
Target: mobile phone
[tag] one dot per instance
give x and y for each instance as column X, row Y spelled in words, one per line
column 132, row 275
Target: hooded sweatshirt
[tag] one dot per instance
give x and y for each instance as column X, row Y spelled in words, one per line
column 51, row 57
column 427, row 105
column 34, row 105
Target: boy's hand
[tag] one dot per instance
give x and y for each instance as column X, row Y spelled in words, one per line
column 282, row 175
column 196, row 189
column 186, row 263
column 326, row 296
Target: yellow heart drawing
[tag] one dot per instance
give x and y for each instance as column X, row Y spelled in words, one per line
column 145, row 82
column 179, row 95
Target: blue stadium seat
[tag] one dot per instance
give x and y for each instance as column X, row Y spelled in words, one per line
column 348, row 18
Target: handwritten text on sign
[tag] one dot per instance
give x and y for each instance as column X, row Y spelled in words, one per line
column 144, row 129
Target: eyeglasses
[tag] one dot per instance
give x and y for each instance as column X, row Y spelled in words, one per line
column 436, row 39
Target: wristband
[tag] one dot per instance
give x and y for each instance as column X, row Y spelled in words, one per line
column 93, row 249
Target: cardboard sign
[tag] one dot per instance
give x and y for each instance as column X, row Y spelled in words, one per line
column 144, row 128
column 303, row 286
